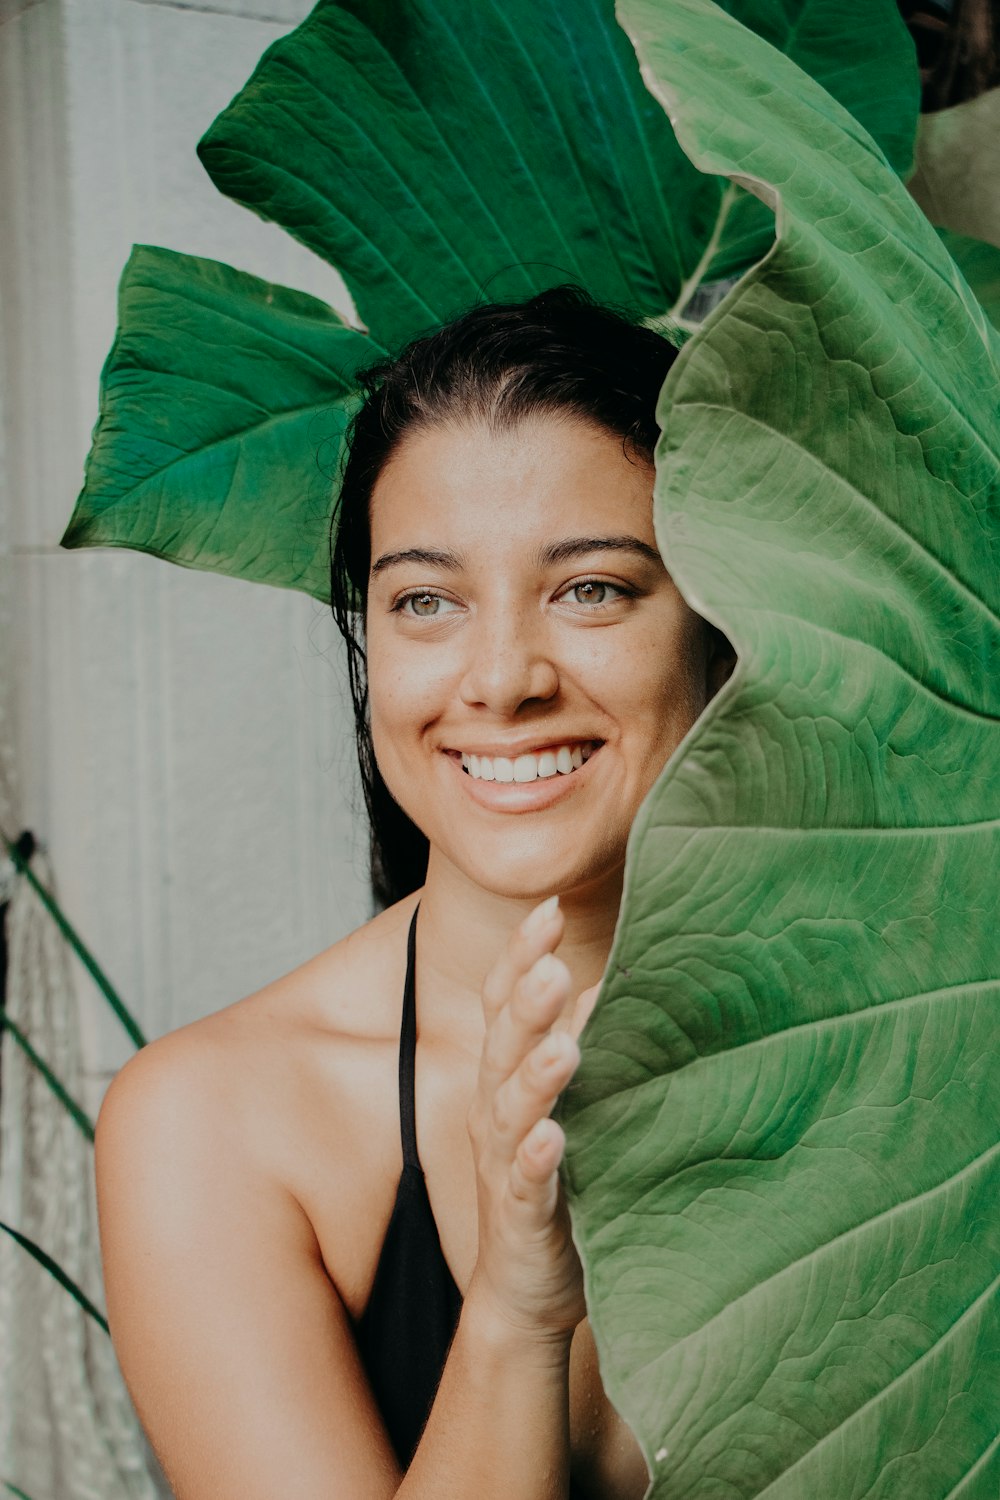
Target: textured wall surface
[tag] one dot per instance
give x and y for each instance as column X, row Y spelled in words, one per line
column 182, row 742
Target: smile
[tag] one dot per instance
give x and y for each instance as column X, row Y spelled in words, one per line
column 556, row 760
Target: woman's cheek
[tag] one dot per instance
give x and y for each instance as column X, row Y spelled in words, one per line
column 407, row 694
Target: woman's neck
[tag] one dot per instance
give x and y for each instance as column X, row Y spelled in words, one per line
column 463, row 928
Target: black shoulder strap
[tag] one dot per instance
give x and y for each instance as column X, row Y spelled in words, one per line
column 408, row 1052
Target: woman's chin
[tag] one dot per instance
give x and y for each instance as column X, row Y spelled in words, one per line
column 533, row 874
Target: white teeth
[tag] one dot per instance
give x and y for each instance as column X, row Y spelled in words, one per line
column 524, row 768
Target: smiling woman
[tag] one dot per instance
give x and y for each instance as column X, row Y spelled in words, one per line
column 549, row 632
column 524, row 434
column 404, row 1320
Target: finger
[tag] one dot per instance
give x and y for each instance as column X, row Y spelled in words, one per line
column 534, row 1182
column 529, row 1094
column 538, row 998
column 583, row 1010
column 537, row 934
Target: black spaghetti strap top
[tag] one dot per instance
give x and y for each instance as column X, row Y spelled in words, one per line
column 404, row 1332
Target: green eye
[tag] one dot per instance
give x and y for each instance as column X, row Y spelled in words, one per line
column 597, row 596
column 597, row 592
column 424, row 604
column 591, row 593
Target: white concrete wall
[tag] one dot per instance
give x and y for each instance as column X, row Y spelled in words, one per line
column 183, row 742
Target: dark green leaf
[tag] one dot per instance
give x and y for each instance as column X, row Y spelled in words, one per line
column 224, row 403
column 434, row 162
column 979, row 263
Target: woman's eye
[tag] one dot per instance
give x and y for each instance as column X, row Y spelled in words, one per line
column 424, row 605
column 596, row 591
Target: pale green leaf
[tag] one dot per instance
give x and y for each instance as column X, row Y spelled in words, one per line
column 957, row 175
column 784, row 1137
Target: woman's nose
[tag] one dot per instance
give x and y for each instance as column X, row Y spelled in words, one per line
column 508, row 663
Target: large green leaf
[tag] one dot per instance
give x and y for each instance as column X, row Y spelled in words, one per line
column 864, row 57
column 783, row 1157
column 223, row 406
column 432, row 160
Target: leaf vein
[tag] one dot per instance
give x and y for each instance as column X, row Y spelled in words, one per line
column 881, row 516
column 879, row 1395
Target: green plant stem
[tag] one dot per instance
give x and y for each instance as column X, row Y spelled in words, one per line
column 16, row 1491
column 44, row 1259
column 694, row 281
column 61, row 1093
column 83, row 954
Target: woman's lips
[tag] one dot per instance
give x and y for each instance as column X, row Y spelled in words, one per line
column 558, row 759
column 523, row 796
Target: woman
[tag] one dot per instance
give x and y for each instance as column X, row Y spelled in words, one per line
column 281, row 1289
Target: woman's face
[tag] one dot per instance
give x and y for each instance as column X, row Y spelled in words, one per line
column 521, row 624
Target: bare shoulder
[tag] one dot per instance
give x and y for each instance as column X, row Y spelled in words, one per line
column 226, row 1069
column 249, row 1086
column 237, row 1199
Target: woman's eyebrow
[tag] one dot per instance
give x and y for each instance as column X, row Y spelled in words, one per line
column 435, row 557
column 556, row 552
column 580, row 546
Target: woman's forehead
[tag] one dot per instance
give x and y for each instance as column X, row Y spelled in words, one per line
column 471, row 483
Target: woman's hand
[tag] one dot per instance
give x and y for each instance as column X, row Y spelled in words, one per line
column 528, row 1271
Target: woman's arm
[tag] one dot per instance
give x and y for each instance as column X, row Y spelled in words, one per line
column 235, row 1345
column 499, row 1426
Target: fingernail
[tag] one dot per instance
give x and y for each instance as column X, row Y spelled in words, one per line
column 557, row 1048
column 540, row 916
column 545, row 972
